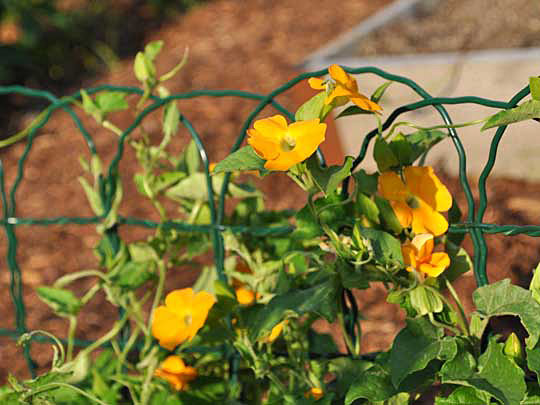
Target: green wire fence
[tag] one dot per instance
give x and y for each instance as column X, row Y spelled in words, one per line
column 472, row 225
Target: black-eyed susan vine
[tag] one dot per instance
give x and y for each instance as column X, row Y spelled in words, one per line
column 244, row 332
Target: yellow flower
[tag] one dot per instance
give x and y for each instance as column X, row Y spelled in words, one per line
column 418, row 255
column 176, row 373
column 276, row 331
column 283, row 145
column 315, row 392
column 343, row 89
column 418, row 200
column 245, row 296
column 183, row 314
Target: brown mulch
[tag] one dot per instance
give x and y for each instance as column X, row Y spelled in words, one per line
column 250, row 45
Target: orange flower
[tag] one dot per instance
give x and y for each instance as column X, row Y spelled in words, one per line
column 176, row 373
column 183, row 314
column 315, row 392
column 245, row 296
column 342, row 89
column 418, row 200
column 418, row 255
column 283, row 145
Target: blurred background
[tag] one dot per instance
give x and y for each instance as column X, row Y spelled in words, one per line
column 253, row 45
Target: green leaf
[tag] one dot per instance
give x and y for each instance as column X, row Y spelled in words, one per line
column 373, row 384
column 320, row 299
column 379, row 91
column 313, row 108
column 423, row 140
column 415, row 347
column 352, row 110
column 425, row 301
column 110, row 101
column 152, row 49
column 241, row 160
column 464, row 396
column 388, row 216
column 403, row 150
column 534, row 287
column 460, row 262
column 504, row 298
column 367, row 207
column 387, row 249
column 63, row 302
column 90, row 107
column 533, row 360
column 193, row 187
column 132, row 275
column 193, row 157
column 327, row 179
column 141, row 68
column 499, row 376
column 206, row 280
column 384, row 155
column 366, row 183
column 92, row 196
column 534, row 85
column 461, row 367
column 170, row 120
column 528, row 110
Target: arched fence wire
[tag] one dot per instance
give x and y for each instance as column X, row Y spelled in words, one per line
column 473, row 224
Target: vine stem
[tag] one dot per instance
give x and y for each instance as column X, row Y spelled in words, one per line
column 460, row 307
column 71, row 336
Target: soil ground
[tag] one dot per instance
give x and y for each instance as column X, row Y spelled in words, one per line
column 250, row 45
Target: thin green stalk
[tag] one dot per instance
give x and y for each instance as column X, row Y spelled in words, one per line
column 123, row 354
column 346, row 337
column 71, row 337
column 411, row 125
column 460, row 307
column 53, row 385
column 69, row 278
column 155, row 303
column 108, row 336
column 461, row 321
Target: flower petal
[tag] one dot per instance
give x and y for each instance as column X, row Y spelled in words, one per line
column 423, row 182
column 179, row 298
column 308, row 135
column 424, row 246
column 338, row 74
column 168, row 328
column 409, row 255
column 403, row 212
column 439, row 262
column 427, row 220
column 365, row 103
column 173, row 364
column 266, row 147
column 271, row 126
column 391, row 187
column 283, row 162
column 316, row 83
column 202, row 303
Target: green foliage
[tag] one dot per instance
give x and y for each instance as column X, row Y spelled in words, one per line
column 523, row 112
column 504, row 298
column 243, row 159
